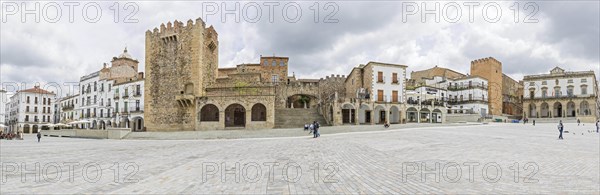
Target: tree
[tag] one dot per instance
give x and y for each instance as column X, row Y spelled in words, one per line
column 304, row 99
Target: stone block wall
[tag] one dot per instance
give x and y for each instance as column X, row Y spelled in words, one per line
column 179, row 59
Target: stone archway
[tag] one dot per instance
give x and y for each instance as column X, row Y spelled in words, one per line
column 235, row 116
column 259, row 112
column 532, row 111
column 102, row 125
column 35, row 128
column 209, row 112
column 571, row 109
column 411, row 115
column 424, row 115
column 557, row 109
column 394, row 115
column 125, row 123
column 436, row 116
column 364, row 114
column 138, row 124
column 301, row 101
column 380, row 114
column 348, row 113
column 545, row 110
column 26, row 128
column 584, row 108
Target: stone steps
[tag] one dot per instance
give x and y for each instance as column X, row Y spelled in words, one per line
column 554, row 120
column 297, row 117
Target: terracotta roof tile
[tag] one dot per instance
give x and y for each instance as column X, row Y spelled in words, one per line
column 36, row 90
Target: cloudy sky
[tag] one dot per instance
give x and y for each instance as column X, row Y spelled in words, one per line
column 345, row 34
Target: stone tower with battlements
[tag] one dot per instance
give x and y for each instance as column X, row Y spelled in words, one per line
column 181, row 61
column 490, row 69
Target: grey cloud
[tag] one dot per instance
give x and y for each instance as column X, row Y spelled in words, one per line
column 573, row 25
column 315, row 49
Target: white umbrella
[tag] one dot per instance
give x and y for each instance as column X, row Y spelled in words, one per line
column 48, row 124
column 79, row 122
column 61, row 125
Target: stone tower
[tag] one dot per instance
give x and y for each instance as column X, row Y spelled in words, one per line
column 181, row 60
column 490, row 69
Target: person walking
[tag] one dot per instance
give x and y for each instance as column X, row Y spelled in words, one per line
column 317, row 125
column 311, row 127
column 533, row 122
column 597, row 126
column 578, row 121
column 560, row 129
column 39, row 136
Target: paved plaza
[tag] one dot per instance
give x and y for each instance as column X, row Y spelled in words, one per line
column 454, row 159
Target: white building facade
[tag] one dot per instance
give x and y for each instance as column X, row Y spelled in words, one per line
column 562, row 95
column 375, row 94
column 468, row 95
column 3, row 107
column 425, row 104
column 109, row 98
column 128, row 104
column 30, row 110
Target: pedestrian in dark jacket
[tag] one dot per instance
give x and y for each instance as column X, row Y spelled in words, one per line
column 316, row 129
column 560, row 129
column 39, row 136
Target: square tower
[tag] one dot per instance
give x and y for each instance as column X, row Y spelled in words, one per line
column 490, row 69
column 181, row 60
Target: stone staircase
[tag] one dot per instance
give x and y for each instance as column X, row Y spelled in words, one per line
column 297, row 117
column 554, row 120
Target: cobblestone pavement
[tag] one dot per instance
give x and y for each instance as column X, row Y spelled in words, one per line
column 269, row 133
column 453, row 159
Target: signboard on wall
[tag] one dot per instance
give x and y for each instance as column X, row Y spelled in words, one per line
column 431, row 90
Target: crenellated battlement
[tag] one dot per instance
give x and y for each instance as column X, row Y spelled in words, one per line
column 177, row 27
column 334, row 78
column 485, row 60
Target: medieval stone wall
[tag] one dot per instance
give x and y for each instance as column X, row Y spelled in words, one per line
column 353, row 83
column 332, row 84
column 178, row 59
column 247, row 102
column 490, row 69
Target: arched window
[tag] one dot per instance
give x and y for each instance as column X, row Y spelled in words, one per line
column 209, row 112
column 259, row 112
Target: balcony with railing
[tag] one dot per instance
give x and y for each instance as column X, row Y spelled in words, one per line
column 116, row 97
column 465, row 87
column 137, row 94
column 136, row 109
column 68, row 107
column 468, row 101
column 568, row 96
column 125, row 95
